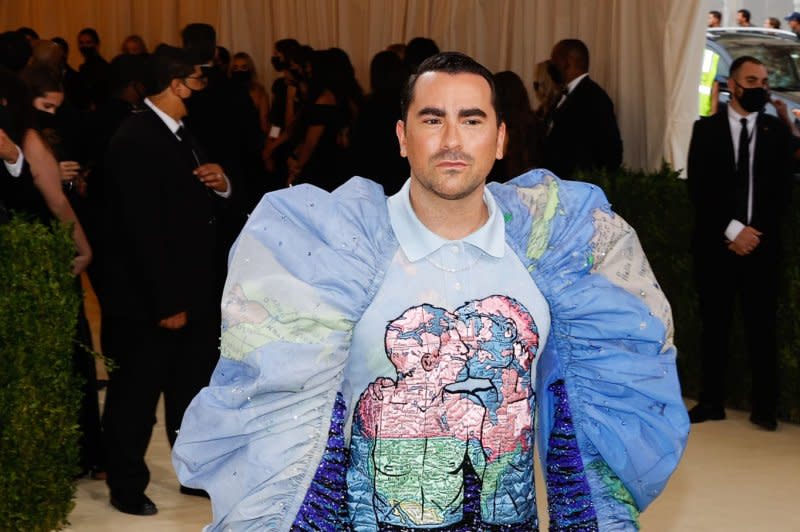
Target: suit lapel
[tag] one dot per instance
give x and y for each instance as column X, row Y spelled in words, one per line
column 723, row 130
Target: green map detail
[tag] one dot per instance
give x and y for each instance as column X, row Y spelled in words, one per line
column 542, row 200
column 276, row 324
column 494, row 471
column 408, row 469
column 615, row 489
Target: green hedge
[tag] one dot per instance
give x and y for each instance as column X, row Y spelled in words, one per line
column 657, row 205
column 39, row 397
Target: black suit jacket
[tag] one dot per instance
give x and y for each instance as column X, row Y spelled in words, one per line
column 160, row 228
column 712, row 181
column 584, row 132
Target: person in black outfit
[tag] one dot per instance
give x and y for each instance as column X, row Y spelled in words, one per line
column 583, row 132
column 318, row 135
column 160, row 306
column 225, row 122
column 74, row 91
column 376, row 152
column 94, row 69
column 522, row 150
column 739, row 173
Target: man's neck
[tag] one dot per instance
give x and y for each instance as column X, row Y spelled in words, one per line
column 174, row 109
column 450, row 219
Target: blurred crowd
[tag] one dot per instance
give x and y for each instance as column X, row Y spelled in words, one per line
column 77, row 148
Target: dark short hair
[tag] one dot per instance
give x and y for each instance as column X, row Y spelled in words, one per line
column 41, row 79
column 449, row 63
column 224, row 55
column 739, row 61
column 29, row 32
column 576, row 49
column 745, row 14
column 167, row 63
column 716, row 14
column 200, row 42
column 63, row 44
column 91, row 32
column 125, row 69
column 418, row 50
column 387, row 72
column 286, row 46
column 774, row 22
column 15, row 50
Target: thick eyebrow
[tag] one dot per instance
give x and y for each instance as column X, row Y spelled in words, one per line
column 474, row 111
column 462, row 113
column 435, row 111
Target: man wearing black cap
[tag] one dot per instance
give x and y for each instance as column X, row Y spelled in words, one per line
column 794, row 22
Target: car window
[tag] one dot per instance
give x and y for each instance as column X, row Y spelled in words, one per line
column 782, row 63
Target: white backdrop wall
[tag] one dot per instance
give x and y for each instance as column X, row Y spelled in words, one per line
column 646, row 53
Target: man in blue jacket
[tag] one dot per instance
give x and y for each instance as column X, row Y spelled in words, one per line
column 546, row 289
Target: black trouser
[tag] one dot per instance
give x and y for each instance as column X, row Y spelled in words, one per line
column 150, row 360
column 721, row 277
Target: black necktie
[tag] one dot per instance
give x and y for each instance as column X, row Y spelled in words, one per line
column 743, row 173
column 187, row 140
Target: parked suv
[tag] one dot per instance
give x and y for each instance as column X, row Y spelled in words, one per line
column 778, row 50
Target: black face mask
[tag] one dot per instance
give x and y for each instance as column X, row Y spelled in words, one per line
column 753, row 99
column 277, row 64
column 242, row 76
column 45, row 120
column 88, row 51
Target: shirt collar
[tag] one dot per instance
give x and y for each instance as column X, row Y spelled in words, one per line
column 733, row 116
column 417, row 241
column 168, row 120
column 574, row 83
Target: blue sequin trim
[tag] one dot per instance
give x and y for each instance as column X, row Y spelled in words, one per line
column 324, row 507
column 568, row 494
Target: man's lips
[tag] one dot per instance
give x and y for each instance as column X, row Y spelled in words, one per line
column 451, row 164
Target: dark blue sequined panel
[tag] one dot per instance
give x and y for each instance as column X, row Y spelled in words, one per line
column 324, row 508
column 568, row 493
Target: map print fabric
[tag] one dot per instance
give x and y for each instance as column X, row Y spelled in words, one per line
column 461, row 400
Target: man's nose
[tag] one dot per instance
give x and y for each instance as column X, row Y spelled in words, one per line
column 451, row 136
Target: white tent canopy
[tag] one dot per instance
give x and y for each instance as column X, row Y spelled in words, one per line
column 646, row 54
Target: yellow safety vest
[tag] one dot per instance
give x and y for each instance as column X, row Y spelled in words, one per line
column 710, row 61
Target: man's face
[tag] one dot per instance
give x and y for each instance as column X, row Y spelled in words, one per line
column 86, row 42
column 794, row 25
column 133, row 47
column 450, row 135
column 740, row 20
column 713, row 22
column 750, row 75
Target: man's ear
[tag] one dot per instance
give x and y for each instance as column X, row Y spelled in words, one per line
column 400, row 129
column 501, row 138
column 178, row 88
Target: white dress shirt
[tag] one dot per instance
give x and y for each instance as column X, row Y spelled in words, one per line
column 15, row 168
column 736, row 226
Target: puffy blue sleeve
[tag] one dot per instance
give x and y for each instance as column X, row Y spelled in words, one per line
column 612, row 424
column 301, row 273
